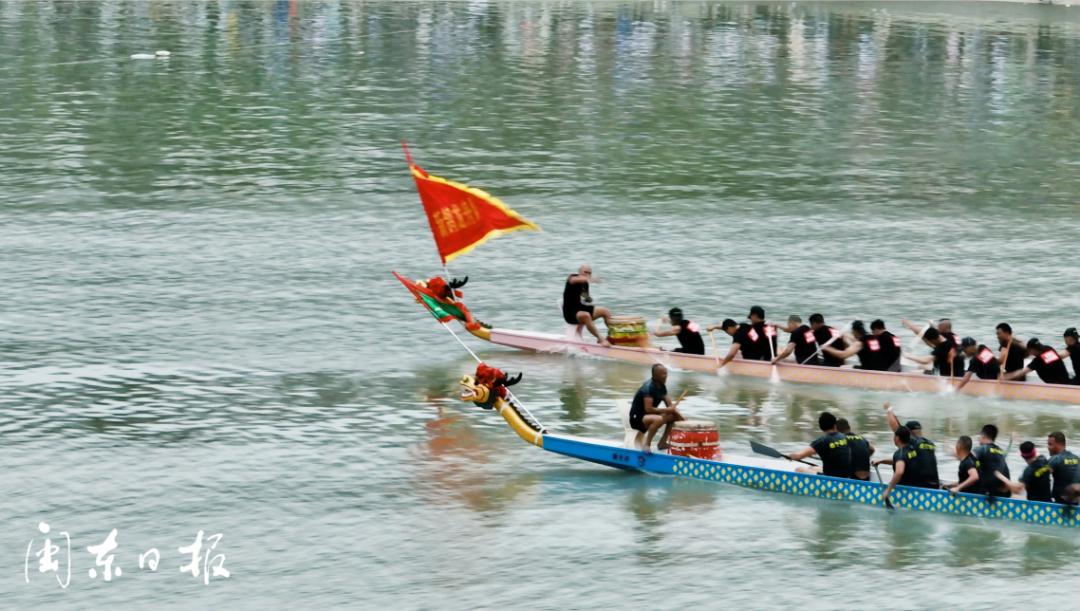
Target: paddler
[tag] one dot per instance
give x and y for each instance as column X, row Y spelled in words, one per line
column 749, row 339
column 763, row 333
column 967, row 474
column 983, row 362
column 1046, row 363
column 687, row 332
column 868, row 348
column 1064, row 466
column 577, row 303
column 1012, row 353
column 861, row 451
column 944, row 344
column 925, row 460
column 891, row 347
column 1072, row 350
column 646, row 415
column 905, row 471
column 803, row 342
column 1036, row 477
column 990, row 460
column 832, row 447
column 825, row 336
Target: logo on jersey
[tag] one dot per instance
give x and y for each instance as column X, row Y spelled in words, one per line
column 986, row 356
column 809, row 337
column 874, row 344
column 833, row 332
column 770, row 331
column 693, row 327
column 896, row 341
column 753, row 335
column 1049, row 357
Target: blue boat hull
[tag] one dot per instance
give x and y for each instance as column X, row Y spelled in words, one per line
column 867, row 493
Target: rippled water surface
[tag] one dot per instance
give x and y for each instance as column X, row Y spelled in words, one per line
column 199, row 329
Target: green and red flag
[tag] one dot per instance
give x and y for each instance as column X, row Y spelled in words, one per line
column 462, row 217
column 442, row 310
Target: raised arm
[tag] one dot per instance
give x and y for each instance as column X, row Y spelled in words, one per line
column 667, row 332
column 894, row 422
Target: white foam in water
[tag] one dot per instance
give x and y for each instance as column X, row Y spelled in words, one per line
column 143, row 56
column 163, row 53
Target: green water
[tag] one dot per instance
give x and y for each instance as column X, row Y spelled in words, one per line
column 199, row 329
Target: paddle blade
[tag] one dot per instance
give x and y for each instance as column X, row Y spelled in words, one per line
column 765, row 450
column 775, row 377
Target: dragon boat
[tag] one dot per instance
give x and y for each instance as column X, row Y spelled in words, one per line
column 488, row 390
column 444, row 302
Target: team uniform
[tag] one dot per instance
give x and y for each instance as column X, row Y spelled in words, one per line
column 860, row 454
column 1036, row 478
column 891, row 348
column 637, row 408
column 806, row 346
column 912, row 477
column 571, row 301
column 966, row 465
column 1014, row 361
column 835, row 454
column 1074, row 356
column 750, row 342
column 945, row 365
column 824, row 334
column 926, row 458
column 766, row 335
column 988, row 459
column 985, row 364
column 1049, row 366
column 689, row 337
column 1065, row 467
column 872, row 356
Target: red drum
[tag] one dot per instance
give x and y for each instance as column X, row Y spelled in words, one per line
column 695, row 439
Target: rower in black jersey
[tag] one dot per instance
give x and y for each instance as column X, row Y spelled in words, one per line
column 748, row 339
column 866, row 346
column 1046, row 363
column 827, row 336
column 1072, row 350
column 763, row 333
column 687, row 332
column 905, row 469
column 1064, row 466
column 983, row 364
column 941, row 355
column 990, row 460
column 861, row 450
column 1035, row 480
column 891, row 348
column 926, row 450
column 802, row 342
column 832, row 447
column 1013, row 352
column 967, row 474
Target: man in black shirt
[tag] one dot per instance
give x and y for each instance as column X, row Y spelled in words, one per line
column 1013, row 352
column 861, row 450
column 926, row 450
column 1036, row 477
column 1047, row 364
column 983, row 362
column 827, row 336
column 905, row 471
column 942, row 354
column 762, row 333
column 891, row 347
column 1064, row 465
column 868, row 347
column 647, row 416
column 967, row 474
column 990, row 460
column 832, row 447
column 687, row 332
column 743, row 340
column 1072, row 350
column 803, row 343
column 577, row 303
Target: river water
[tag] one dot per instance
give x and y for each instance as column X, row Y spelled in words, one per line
column 199, row 330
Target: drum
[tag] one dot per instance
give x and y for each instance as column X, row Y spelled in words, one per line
column 628, row 331
column 695, row 439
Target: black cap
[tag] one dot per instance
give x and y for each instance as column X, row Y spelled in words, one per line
column 1071, row 332
column 1033, row 343
column 675, row 313
column 913, row 425
column 968, row 341
column 757, row 311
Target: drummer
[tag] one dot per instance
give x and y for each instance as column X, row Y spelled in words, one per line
column 577, row 303
column 832, row 447
column 646, row 416
column 687, row 332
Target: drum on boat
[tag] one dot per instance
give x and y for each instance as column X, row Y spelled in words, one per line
column 695, row 439
column 628, row 331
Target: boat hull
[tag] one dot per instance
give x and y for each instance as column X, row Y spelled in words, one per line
column 783, row 479
column 791, row 372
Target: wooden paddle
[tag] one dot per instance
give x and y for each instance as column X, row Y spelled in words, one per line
column 716, row 354
column 773, row 453
column 822, row 346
